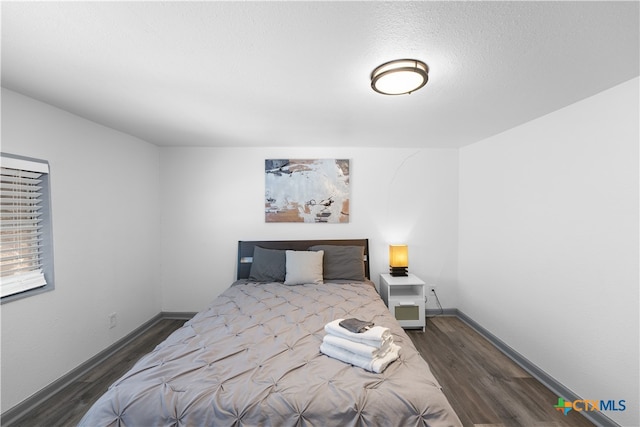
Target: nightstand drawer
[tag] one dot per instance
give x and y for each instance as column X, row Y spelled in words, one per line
column 410, row 314
column 405, row 298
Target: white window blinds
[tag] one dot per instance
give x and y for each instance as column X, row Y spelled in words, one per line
column 21, row 228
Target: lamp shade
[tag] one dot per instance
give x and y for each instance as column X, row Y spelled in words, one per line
column 398, row 256
column 398, row 260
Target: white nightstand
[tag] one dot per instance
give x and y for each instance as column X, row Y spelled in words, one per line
column 404, row 295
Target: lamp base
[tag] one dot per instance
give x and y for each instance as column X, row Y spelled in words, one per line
column 398, row 271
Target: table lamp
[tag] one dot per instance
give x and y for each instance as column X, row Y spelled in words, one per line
column 398, row 260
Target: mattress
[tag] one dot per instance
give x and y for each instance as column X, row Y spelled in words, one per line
column 252, row 359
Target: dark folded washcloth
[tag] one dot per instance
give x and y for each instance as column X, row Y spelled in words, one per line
column 356, row 325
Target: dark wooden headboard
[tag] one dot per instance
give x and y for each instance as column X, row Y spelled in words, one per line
column 245, row 250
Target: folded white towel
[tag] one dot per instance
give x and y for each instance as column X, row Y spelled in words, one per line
column 375, row 337
column 375, row 364
column 358, row 348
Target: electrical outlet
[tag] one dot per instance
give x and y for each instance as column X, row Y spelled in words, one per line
column 113, row 320
column 431, row 289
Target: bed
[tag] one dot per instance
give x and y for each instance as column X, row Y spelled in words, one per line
column 252, row 357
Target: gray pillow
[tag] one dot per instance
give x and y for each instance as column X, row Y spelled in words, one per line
column 268, row 265
column 342, row 262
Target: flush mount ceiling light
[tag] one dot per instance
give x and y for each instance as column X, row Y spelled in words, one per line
column 399, row 76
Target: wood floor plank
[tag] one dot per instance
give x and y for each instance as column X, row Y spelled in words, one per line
column 458, row 380
column 483, row 385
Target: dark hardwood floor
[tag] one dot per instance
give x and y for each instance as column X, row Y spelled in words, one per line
column 484, row 387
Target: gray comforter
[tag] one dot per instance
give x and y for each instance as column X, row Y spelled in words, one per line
column 252, row 359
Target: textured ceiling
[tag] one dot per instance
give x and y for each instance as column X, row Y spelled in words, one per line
column 297, row 73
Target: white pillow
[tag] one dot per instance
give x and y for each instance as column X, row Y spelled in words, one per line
column 303, row 267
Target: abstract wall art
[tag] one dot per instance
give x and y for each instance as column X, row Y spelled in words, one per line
column 307, row 190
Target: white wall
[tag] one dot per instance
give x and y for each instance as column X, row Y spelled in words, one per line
column 105, row 198
column 547, row 215
column 549, row 244
column 213, row 197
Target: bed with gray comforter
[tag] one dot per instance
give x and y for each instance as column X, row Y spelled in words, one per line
column 252, row 359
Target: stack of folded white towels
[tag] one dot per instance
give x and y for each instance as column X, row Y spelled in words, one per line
column 372, row 349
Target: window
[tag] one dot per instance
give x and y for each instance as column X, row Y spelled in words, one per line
column 26, row 255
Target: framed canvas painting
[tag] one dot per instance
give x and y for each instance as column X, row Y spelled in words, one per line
column 307, row 190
